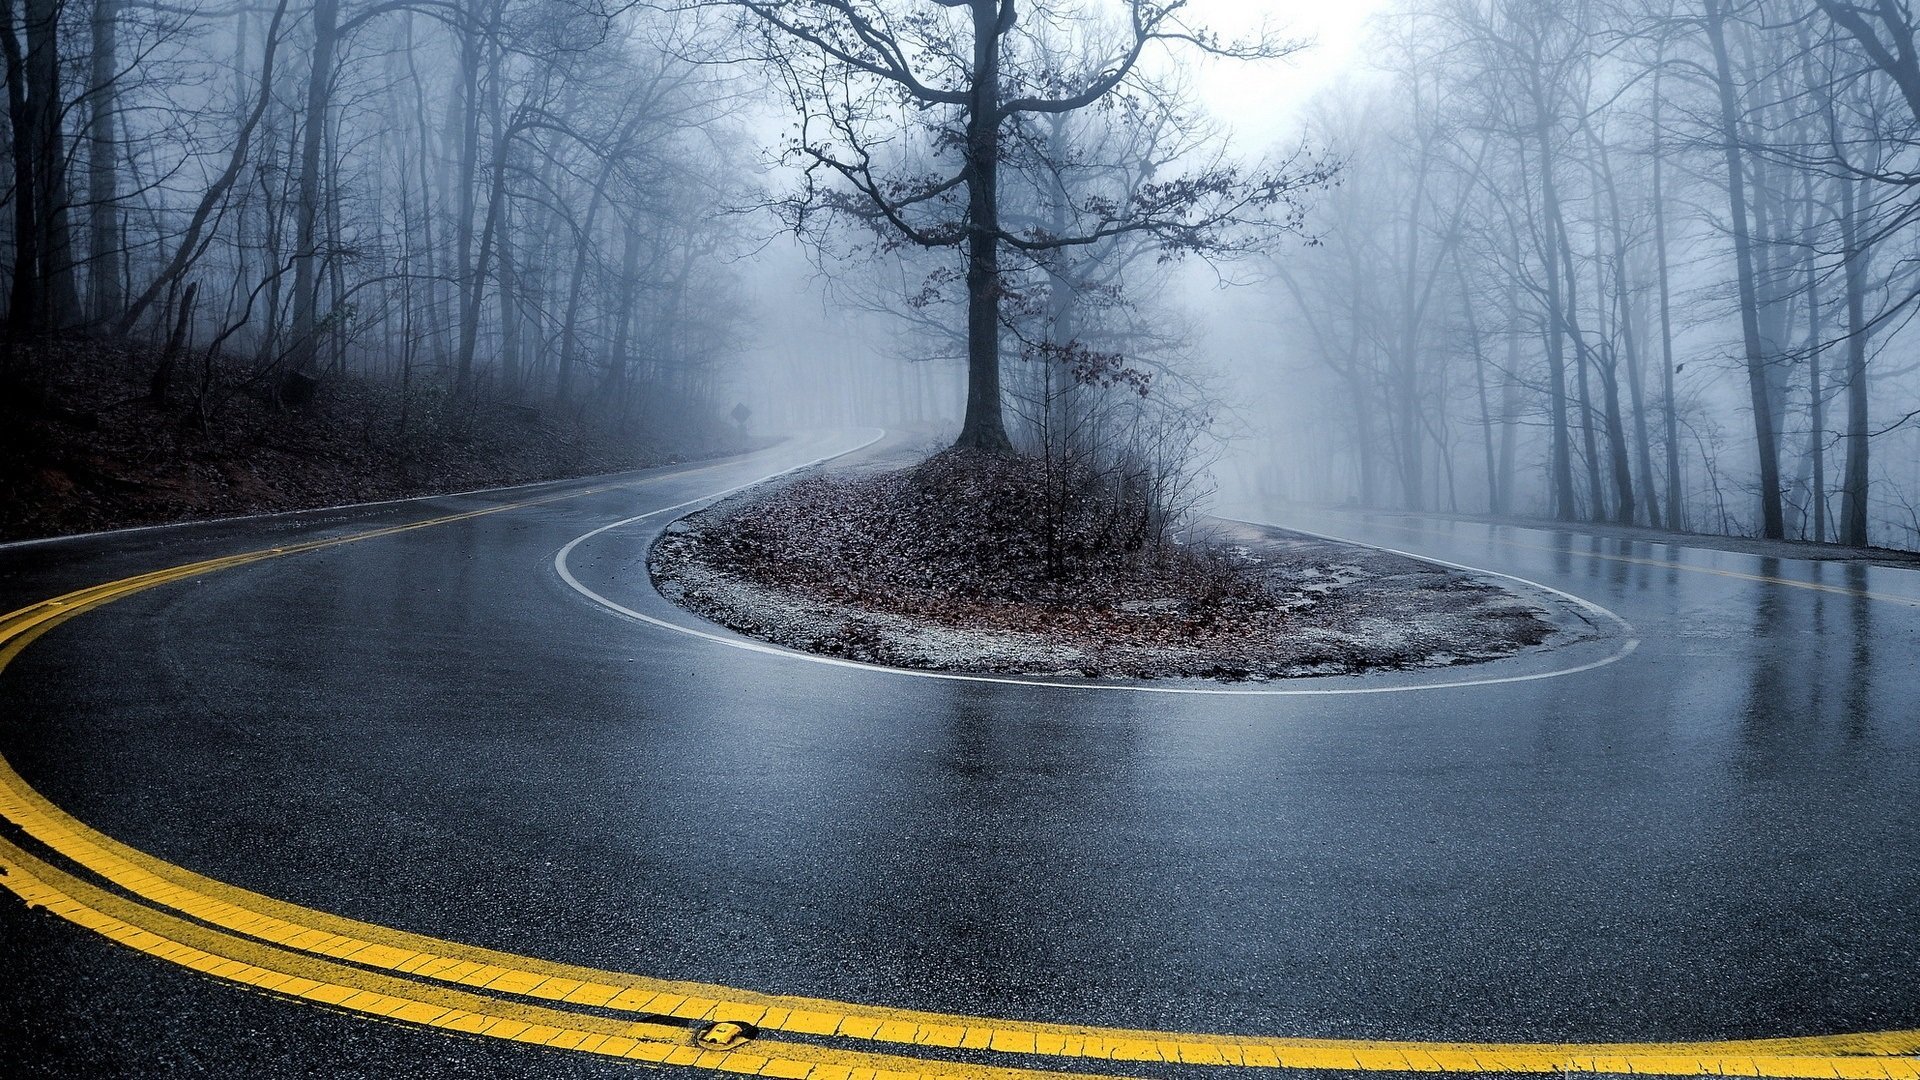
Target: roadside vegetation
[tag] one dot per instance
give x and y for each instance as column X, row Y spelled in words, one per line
column 268, row 256
column 970, row 532
column 85, row 444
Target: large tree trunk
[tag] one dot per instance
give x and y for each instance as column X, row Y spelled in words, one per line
column 1853, row 486
column 583, row 246
column 333, row 264
column 1767, row 443
column 466, row 114
column 516, row 375
column 436, row 321
column 106, row 245
column 44, row 295
column 1494, row 498
column 1369, row 450
column 1676, row 500
column 1509, row 403
column 1403, row 363
column 1617, row 442
column 476, row 272
column 306, row 287
column 1589, row 440
column 569, row 346
column 273, row 236
column 61, row 297
column 1816, row 323
column 984, row 428
column 1607, row 363
column 1630, row 343
column 1816, row 404
column 1561, row 456
column 618, row 364
column 24, row 306
column 1596, row 488
column 1636, row 389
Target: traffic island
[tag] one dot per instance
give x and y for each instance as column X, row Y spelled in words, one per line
column 961, row 564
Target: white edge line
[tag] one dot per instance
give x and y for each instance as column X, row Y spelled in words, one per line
column 560, row 566
column 691, row 467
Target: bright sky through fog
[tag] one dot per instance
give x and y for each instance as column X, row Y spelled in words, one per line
column 1260, row 102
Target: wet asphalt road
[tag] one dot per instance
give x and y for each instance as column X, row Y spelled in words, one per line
column 1717, row 836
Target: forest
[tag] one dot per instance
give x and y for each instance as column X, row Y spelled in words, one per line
column 1642, row 263
column 427, row 220
column 1638, row 263
column 491, row 193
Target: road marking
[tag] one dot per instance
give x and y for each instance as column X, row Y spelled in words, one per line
column 1665, row 564
column 242, row 937
column 1627, row 643
column 350, row 989
column 689, row 469
column 314, row 969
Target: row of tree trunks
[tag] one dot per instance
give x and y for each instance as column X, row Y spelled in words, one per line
column 44, row 294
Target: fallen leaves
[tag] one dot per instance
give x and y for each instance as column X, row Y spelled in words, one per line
column 962, row 563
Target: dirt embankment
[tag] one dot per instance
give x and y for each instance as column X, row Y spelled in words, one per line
column 83, row 446
column 949, row 566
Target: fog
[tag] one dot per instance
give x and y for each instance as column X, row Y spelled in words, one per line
column 1639, row 262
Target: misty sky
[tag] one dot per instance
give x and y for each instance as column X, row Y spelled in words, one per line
column 1259, row 104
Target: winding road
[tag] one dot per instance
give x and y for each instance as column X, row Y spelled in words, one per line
column 452, row 764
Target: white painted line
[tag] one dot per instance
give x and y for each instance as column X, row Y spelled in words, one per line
column 692, row 467
column 1624, row 626
column 1628, row 644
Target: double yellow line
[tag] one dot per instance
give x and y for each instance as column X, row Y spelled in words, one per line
column 156, row 907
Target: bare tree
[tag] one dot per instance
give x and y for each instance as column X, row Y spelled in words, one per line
column 864, row 75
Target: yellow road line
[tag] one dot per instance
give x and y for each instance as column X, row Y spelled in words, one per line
column 286, row 929
column 304, row 975
column 406, row 1001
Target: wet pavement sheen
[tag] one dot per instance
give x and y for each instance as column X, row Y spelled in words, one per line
column 1717, row 836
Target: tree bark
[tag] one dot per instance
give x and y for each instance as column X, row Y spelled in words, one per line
column 44, row 294
column 1561, row 456
column 1403, row 374
column 1480, row 389
column 1853, row 487
column 467, row 114
column 1676, row 500
column 475, row 285
column 61, row 297
column 1767, row 444
column 306, row 287
column 106, row 243
column 25, row 313
column 1589, row 445
column 984, row 427
column 1816, row 403
column 1630, row 342
column 618, row 364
